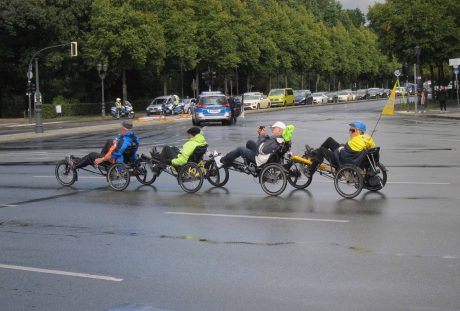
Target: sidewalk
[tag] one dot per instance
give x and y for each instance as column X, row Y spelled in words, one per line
column 453, row 112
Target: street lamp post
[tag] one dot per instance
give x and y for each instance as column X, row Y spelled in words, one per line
column 418, row 81
column 38, row 102
column 102, row 71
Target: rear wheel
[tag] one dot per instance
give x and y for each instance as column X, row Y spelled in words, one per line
column 145, row 174
column 380, row 178
column 118, row 177
column 190, row 177
column 64, row 174
column 348, row 182
column 216, row 177
column 273, row 179
column 298, row 176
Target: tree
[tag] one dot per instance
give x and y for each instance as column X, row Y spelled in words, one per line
column 126, row 37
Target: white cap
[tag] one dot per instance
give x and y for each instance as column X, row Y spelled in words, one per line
column 279, row 124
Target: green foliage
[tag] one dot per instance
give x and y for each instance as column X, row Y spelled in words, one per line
column 156, row 42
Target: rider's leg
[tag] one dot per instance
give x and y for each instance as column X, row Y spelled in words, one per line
column 239, row 152
column 330, row 143
column 251, row 145
column 320, row 154
column 88, row 159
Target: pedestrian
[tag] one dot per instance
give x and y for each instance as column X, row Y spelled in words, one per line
column 442, row 95
column 423, row 100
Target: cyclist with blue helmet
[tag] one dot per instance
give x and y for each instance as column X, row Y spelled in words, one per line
column 344, row 154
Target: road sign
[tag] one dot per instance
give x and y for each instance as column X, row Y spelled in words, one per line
column 454, row 62
column 456, row 70
column 30, row 75
column 397, row 73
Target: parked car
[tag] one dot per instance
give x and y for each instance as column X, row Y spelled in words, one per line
column 255, row 100
column 332, row 97
column 373, row 93
column 344, row 96
column 319, row 98
column 211, row 106
column 362, row 94
column 303, row 97
column 155, row 107
column 281, row 97
column 187, row 102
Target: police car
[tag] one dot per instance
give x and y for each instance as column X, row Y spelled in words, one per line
column 211, row 107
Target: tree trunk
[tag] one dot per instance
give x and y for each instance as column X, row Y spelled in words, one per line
column 181, row 81
column 317, row 82
column 125, row 87
column 237, row 82
column 432, row 80
column 301, row 79
column 285, row 78
column 197, row 83
column 165, row 85
column 225, row 83
column 248, row 83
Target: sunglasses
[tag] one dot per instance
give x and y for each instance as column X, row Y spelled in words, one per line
column 352, row 130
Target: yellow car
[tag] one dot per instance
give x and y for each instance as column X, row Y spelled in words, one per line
column 281, row 97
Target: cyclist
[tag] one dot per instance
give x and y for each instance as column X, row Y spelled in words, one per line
column 113, row 151
column 171, row 155
column 257, row 152
column 345, row 154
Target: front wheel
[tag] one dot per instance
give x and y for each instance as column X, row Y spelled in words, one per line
column 216, row 177
column 145, row 174
column 118, row 177
column 273, row 179
column 64, row 174
column 299, row 176
column 348, row 182
column 190, row 177
column 131, row 115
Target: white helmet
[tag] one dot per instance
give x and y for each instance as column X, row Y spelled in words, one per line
column 118, row 99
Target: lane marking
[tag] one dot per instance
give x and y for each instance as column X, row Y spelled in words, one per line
column 79, row 177
column 418, row 183
column 257, row 217
column 31, row 124
column 8, row 205
column 59, row 272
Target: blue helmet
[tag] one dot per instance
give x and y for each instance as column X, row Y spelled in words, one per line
column 359, row 125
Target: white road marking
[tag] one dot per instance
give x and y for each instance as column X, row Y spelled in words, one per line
column 8, row 205
column 79, row 177
column 418, row 183
column 59, row 272
column 257, row 217
column 31, row 124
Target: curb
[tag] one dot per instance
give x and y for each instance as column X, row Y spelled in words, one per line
column 30, row 136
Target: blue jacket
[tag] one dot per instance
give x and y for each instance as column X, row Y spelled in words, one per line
column 123, row 142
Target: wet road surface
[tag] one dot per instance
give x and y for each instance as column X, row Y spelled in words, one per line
column 155, row 247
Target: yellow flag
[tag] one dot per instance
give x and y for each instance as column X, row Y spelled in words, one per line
column 389, row 107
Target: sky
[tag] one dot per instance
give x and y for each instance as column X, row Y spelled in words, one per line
column 361, row 4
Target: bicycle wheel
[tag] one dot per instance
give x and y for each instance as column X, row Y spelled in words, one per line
column 348, row 182
column 190, row 177
column 64, row 174
column 144, row 173
column 379, row 179
column 273, row 179
column 298, row 176
column 118, row 177
column 217, row 177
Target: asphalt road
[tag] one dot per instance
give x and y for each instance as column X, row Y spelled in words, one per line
column 155, row 247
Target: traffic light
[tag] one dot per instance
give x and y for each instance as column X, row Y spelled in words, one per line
column 30, row 88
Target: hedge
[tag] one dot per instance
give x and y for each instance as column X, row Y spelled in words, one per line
column 86, row 109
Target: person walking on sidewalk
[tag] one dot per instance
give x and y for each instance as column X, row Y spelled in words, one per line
column 423, row 100
column 442, row 96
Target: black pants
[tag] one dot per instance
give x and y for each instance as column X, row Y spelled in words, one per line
column 248, row 153
column 442, row 103
column 89, row 158
column 167, row 154
column 326, row 150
